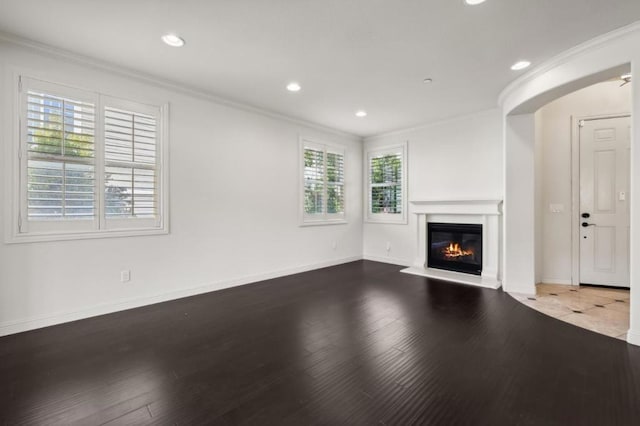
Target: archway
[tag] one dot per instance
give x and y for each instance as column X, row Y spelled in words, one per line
column 596, row 60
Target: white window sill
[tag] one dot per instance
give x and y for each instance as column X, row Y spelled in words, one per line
column 324, row 222
column 68, row 236
column 387, row 220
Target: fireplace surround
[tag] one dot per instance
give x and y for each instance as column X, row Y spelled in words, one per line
column 485, row 213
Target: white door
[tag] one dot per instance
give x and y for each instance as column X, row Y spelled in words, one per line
column 604, row 201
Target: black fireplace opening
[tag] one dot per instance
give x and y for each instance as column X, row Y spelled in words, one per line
column 455, row 247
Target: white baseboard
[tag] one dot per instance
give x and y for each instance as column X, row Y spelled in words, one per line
column 556, row 281
column 385, row 259
column 633, row 338
column 12, row 327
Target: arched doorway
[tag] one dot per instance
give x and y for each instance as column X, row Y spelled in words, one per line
column 597, row 60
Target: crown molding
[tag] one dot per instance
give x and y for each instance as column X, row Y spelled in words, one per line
column 58, row 53
column 567, row 56
column 446, row 120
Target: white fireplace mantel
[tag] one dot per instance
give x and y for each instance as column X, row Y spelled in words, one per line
column 485, row 212
column 482, row 207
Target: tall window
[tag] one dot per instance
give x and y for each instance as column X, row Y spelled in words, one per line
column 323, row 183
column 60, row 164
column 88, row 164
column 386, row 192
column 130, row 162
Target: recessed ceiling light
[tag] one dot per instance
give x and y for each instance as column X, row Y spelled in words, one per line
column 293, row 87
column 473, row 2
column 361, row 113
column 520, row 65
column 427, row 81
column 173, row 40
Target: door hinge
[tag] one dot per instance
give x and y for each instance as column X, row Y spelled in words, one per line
column 20, row 84
column 19, row 221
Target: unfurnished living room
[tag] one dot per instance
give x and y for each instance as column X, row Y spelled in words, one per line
column 294, row 212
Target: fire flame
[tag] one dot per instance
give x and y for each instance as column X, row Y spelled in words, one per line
column 454, row 250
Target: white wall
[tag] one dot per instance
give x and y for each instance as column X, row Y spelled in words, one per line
column 234, row 182
column 538, row 154
column 555, row 123
column 519, row 201
column 454, row 159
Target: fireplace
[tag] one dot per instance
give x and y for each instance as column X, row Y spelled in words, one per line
column 455, row 247
column 485, row 217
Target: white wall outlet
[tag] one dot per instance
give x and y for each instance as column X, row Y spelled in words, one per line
column 388, row 246
column 334, row 245
column 125, row 276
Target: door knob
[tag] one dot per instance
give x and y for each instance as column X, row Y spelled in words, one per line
column 586, row 215
column 585, row 224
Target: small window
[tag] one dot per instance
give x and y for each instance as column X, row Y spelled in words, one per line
column 90, row 165
column 386, row 191
column 323, row 188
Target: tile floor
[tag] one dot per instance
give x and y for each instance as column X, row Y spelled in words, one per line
column 603, row 310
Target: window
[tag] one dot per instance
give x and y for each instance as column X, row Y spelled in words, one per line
column 323, row 198
column 131, row 166
column 89, row 164
column 60, row 163
column 386, row 177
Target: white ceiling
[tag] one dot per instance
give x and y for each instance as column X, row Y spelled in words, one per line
column 346, row 54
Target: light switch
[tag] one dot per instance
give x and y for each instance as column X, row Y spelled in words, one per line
column 556, row 208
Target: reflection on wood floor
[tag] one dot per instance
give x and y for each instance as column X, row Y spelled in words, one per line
column 603, row 310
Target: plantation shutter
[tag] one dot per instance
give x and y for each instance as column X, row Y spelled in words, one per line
column 58, row 151
column 313, row 181
column 335, row 183
column 323, row 180
column 385, row 183
column 131, row 172
column 87, row 164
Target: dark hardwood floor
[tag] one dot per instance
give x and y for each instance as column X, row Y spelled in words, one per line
column 359, row 343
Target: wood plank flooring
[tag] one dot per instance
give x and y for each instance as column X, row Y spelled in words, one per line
column 358, row 343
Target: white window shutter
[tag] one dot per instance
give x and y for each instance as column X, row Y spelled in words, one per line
column 314, row 175
column 386, row 170
column 323, row 176
column 88, row 165
column 60, row 158
column 131, row 181
column 385, row 177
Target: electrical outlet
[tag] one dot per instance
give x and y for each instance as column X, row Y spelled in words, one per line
column 388, row 246
column 125, row 276
column 334, row 245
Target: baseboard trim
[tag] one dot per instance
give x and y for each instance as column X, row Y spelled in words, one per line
column 556, row 281
column 633, row 338
column 19, row 326
column 390, row 260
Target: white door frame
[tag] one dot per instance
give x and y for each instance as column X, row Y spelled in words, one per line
column 575, row 189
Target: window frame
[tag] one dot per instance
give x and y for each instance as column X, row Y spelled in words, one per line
column 377, row 151
column 324, row 218
column 20, row 229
